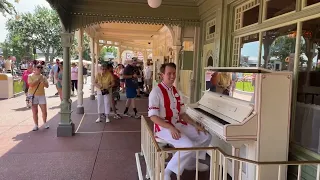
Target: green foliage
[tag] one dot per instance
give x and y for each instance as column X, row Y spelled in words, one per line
column 6, row 8
column 86, row 48
column 40, row 30
column 108, row 49
column 283, row 46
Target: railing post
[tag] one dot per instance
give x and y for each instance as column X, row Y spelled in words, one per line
column 299, row 172
column 279, row 172
column 258, row 172
column 197, row 165
column 318, row 172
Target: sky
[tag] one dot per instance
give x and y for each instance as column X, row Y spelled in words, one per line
column 22, row 7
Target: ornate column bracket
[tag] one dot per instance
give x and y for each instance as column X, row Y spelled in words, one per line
column 66, row 126
column 66, row 39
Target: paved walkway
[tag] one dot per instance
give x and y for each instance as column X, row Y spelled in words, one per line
column 97, row 151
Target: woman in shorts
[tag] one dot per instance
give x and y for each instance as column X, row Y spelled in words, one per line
column 37, row 82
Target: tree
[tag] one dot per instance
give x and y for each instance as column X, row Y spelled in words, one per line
column 40, row 30
column 283, row 46
column 6, row 7
column 108, row 49
column 86, row 48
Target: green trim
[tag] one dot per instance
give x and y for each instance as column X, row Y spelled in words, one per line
column 309, row 155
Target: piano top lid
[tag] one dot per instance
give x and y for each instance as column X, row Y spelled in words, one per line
column 239, row 69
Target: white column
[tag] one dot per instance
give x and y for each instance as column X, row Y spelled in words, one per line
column 96, row 52
column 66, row 126
column 92, row 95
column 196, row 43
column 176, row 50
column 80, row 108
column 119, row 55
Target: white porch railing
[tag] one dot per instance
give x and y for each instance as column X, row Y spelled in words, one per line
column 155, row 158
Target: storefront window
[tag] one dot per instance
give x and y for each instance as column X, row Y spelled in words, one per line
column 307, row 125
column 249, row 51
column 246, row 14
column 276, row 7
column 278, row 48
column 311, row 2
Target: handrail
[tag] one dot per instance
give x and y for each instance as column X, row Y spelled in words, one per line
column 158, row 149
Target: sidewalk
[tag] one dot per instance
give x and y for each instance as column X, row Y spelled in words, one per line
column 97, row 151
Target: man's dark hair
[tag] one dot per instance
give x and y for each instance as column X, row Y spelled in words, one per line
column 109, row 66
column 163, row 67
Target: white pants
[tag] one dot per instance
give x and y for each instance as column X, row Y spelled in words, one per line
column 189, row 138
column 104, row 103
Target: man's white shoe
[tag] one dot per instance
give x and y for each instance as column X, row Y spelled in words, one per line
column 201, row 167
column 107, row 120
column 98, row 120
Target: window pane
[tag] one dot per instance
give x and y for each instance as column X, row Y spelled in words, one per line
column 249, row 51
column 278, row 48
column 311, row 2
column 250, row 16
column 306, row 127
column 276, row 7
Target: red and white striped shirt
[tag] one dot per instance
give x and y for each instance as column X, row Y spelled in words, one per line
column 166, row 103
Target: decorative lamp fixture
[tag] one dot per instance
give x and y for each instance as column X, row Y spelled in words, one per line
column 154, row 3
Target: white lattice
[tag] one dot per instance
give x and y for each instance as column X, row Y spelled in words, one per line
column 236, row 52
column 209, row 35
column 239, row 10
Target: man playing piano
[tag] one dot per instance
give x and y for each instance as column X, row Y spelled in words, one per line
column 173, row 125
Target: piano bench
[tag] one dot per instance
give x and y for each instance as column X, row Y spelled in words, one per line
column 162, row 143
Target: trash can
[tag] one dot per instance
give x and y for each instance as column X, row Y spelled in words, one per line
column 6, row 84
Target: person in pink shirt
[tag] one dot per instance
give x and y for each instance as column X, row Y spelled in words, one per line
column 74, row 77
column 25, row 81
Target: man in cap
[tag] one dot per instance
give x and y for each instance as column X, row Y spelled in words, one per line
column 131, row 82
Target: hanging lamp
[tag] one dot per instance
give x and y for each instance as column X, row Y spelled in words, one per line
column 154, row 3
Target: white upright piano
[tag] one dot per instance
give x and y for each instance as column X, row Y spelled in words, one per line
column 253, row 125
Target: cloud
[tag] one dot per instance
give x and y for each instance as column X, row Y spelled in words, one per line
column 23, row 6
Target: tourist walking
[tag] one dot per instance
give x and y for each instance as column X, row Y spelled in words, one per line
column 148, row 78
column 85, row 74
column 59, row 80
column 37, row 82
column 104, row 82
column 131, row 82
column 25, row 76
column 74, row 78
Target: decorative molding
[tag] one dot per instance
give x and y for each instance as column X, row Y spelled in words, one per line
column 67, row 39
column 86, row 20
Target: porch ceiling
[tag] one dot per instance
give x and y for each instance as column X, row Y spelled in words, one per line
column 80, row 13
column 131, row 35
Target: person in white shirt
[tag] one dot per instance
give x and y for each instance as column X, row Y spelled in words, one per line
column 148, row 77
column 173, row 125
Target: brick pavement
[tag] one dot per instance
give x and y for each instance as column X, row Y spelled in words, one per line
column 42, row 155
column 97, row 152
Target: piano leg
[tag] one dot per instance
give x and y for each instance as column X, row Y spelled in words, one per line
column 235, row 164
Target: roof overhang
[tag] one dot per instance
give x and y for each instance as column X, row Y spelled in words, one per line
column 82, row 13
